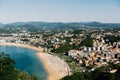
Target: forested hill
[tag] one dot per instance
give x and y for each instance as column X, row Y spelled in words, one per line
column 31, row 26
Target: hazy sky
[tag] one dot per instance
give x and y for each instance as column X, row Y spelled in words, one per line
column 59, row 10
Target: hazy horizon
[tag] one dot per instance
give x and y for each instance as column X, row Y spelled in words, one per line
column 106, row 11
column 59, row 22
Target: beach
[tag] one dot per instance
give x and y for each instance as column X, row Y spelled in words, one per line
column 56, row 67
column 40, row 49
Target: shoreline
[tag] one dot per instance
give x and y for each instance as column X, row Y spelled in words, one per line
column 40, row 49
column 52, row 75
column 54, row 66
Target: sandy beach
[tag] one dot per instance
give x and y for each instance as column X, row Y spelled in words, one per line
column 40, row 49
column 56, row 67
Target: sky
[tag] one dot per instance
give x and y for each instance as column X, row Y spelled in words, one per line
column 60, row 11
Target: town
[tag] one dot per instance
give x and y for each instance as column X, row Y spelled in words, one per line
column 59, row 39
column 88, row 49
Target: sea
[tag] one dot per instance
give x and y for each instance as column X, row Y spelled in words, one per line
column 26, row 60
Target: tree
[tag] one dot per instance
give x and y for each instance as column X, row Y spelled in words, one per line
column 88, row 42
column 9, row 72
column 25, row 76
column 97, row 74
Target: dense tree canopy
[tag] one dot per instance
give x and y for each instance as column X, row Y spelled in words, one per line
column 88, row 41
column 9, row 72
column 98, row 74
column 112, row 39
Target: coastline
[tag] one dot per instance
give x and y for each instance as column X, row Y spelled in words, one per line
column 52, row 75
column 56, row 68
column 40, row 49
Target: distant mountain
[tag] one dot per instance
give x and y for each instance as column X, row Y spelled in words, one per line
column 17, row 24
column 103, row 25
column 93, row 23
column 38, row 23
column 1, row 25
column 33, row 26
